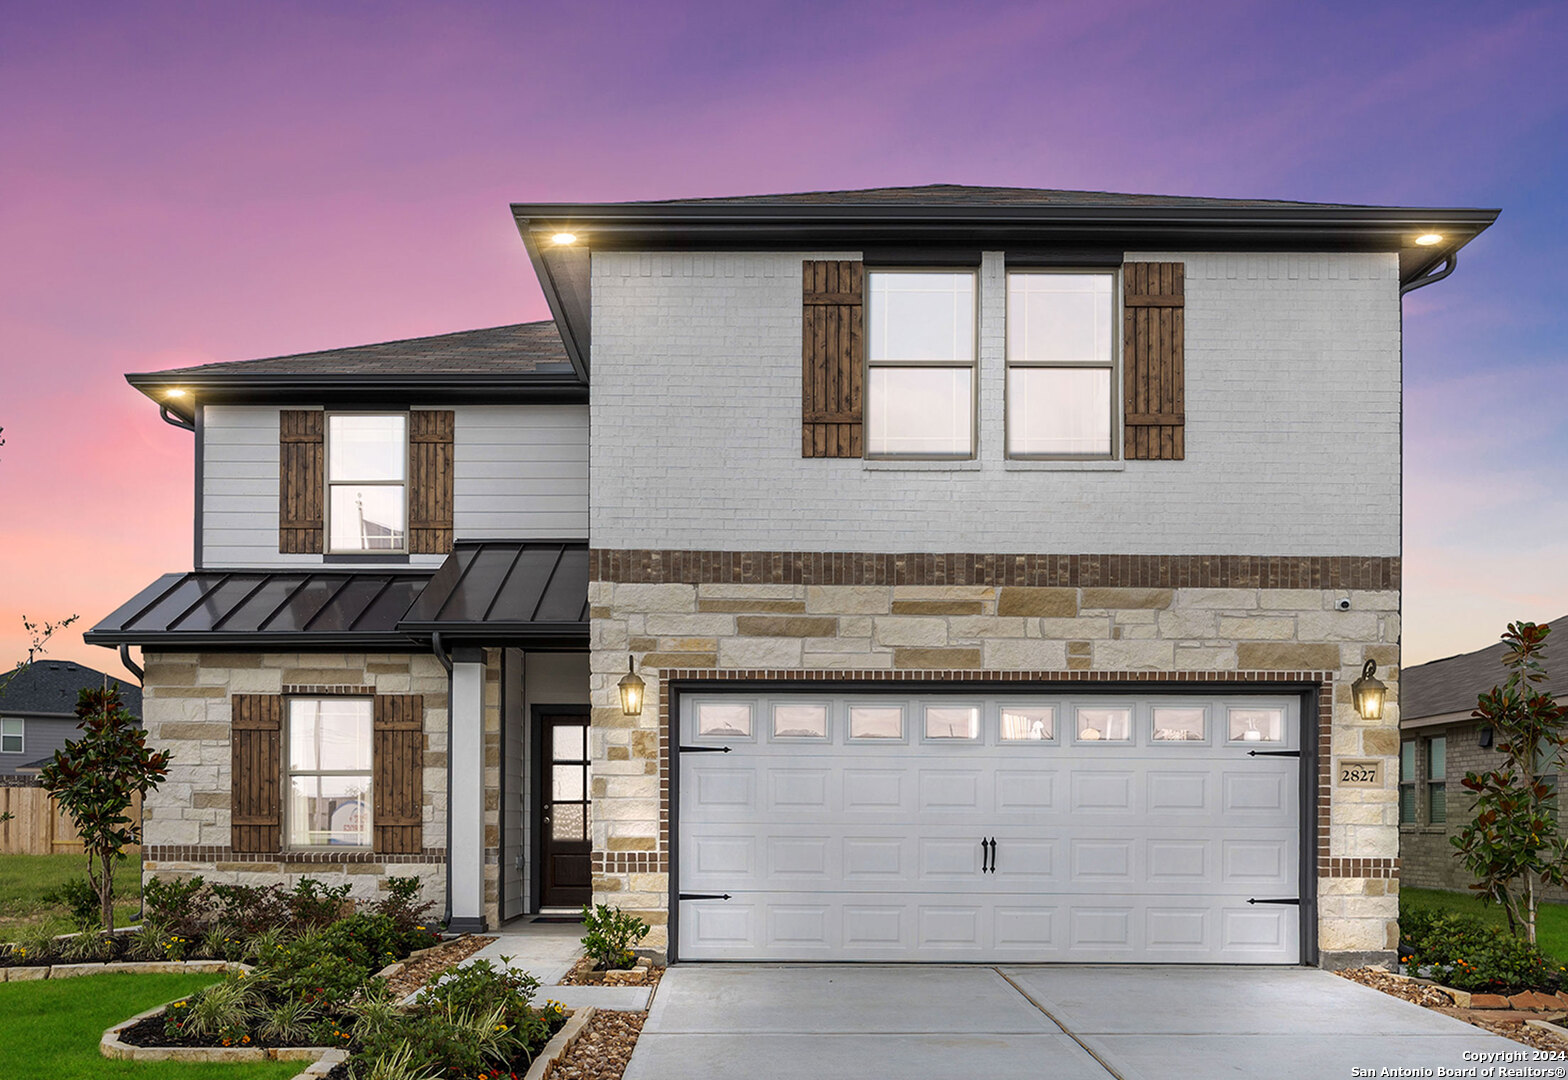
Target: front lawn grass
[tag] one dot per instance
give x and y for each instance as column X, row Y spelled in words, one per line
column 52, row 1028
column 24, row 879
column 1551, row 920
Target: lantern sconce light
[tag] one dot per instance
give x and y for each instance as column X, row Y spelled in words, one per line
column 631, row 690
column 1368, row 692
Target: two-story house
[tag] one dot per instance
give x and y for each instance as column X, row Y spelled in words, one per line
column 994, row 566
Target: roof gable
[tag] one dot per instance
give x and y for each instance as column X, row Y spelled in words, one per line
column 52, row 686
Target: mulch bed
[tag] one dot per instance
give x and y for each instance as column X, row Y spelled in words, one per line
column 1432, row 998
column 603, row 1049
column 417, row 972
column 583, row 973
column 149, row 1032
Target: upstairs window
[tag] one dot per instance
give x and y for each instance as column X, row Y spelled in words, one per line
column 11, row 735
column 920, row 364
column 367, row 474
column 1060, row 356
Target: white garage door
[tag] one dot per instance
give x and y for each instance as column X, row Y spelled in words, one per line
column 1053, row 828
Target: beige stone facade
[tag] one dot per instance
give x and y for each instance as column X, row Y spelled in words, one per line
column 187, row 711
column 784, row 631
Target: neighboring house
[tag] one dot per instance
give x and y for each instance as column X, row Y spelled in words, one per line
column 38, row 711
column 997, row 562
column 1439, row 743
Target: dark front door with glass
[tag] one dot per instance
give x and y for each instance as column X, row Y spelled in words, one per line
column 564, row 876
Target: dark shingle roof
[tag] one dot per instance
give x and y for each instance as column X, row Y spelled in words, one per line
column 1452, row 684
column 971, row 195
column 521, row 348
column 51, row 686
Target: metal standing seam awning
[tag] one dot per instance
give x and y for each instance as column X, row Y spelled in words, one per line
column 509, row 592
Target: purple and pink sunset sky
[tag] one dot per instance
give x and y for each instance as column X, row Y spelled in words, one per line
column 185, row 183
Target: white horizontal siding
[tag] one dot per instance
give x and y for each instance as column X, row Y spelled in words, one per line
column 519, row 472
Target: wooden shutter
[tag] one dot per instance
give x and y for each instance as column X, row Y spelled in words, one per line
column 397, row 789
column 430, row 481
column 301, row 480
column 833, row 354
column 256, row 792
column 1154, row 359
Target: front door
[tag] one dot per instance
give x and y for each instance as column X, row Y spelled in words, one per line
column 564, row 845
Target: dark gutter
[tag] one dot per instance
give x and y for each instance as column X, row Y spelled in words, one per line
column 174, row 419
column 223, row 388
column 1433, row 277
column 256, row 641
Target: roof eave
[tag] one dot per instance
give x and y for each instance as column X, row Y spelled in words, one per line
column 552, row 296
column 223, row 388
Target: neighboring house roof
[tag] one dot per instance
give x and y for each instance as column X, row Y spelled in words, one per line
column 50, row 688
column 937, row 223
column 521, row 361
column 510, row 591
column 1442, row 688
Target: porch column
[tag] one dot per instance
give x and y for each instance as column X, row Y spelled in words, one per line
column 465, row 865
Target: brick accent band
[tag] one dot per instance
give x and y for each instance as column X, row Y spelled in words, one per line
column 325, row 691
column 630, row 862
column 213, row 853
column 1337, row 867
column 1050, row 571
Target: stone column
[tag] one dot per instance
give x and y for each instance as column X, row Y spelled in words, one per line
column 466, row 792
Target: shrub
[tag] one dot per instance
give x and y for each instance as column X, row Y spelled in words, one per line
column 288, row 1021
column 224, row 1010
column 482, row 987
column 81, row 899
column 1463, row 952
column 610, row 934
column 87, row 947
column 399, row 905
column 175, row 905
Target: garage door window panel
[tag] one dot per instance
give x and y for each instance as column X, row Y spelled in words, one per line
column 876, row 723
column 721, row 720
column 1179, row 724
column 800, row 722
column 1028, row 724
column 1104, row 724
column 1256, row 725
column 949, row 723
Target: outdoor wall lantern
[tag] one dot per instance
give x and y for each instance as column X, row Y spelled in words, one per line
column 632, row 689
column 1368, row 692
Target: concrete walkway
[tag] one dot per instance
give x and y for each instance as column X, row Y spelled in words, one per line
column 848, row 1022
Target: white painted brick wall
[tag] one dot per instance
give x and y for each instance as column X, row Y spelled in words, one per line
column 520, row 471
column 1293, row 399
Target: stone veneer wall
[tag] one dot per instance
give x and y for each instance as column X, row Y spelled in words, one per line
column 1255, row 628
column 186, row 709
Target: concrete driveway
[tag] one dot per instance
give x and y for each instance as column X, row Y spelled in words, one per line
column 914, row 1022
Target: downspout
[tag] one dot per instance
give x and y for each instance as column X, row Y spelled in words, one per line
column 131, row 665
column 176, row 419
column 1432, row 278
column 446, row 661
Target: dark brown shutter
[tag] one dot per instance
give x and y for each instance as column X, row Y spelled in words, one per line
column 833, row 354
column 256, row 791
column 397, row 791
column 1154, row 361
column 301, row 480
column 430, row 481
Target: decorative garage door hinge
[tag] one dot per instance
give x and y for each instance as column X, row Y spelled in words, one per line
column 1273, row 753
column 704, row 896
column 704, row 749
column 1292, row 900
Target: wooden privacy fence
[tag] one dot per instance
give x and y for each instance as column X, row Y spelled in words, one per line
column 39, row 827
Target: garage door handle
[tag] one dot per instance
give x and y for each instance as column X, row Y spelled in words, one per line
column 704, row 896
column 1291, row 900
column 704, row 749
column 993, row 854
column 987, row 856
column 1273, row 753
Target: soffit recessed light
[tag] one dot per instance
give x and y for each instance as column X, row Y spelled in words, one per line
column 564, row 238
column 1428, row 239
column 175, row 393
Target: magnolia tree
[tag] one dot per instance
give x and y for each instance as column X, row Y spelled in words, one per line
column 95, row 778
column 1512, row 844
